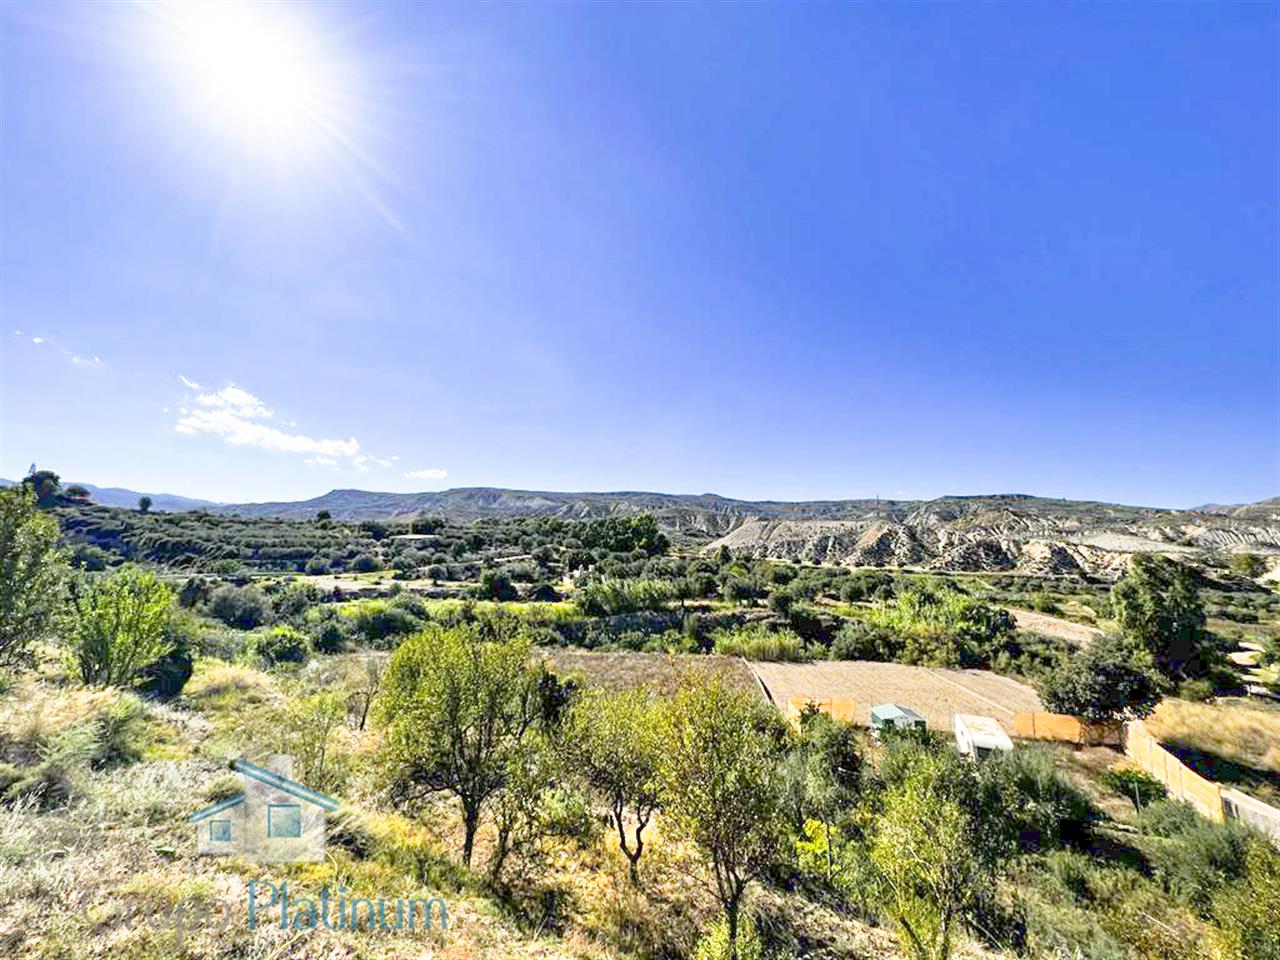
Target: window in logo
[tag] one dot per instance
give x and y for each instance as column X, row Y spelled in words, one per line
column 284, row 820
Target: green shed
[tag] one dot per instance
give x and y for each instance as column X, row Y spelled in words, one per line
column 892, row 715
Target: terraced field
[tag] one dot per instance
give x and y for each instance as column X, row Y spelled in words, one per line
column 937, row 695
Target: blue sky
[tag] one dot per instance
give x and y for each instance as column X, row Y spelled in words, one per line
column 783, row 251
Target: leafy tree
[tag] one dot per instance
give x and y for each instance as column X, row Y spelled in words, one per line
column 305, row 732
column 45, row 484
column 1158, row 605
column 1109, row 679
column 425, row 523
column 613, row 741
column 323, row 515
column 722, row 785
column 935, row 846
column 1247, row 912
column 456, row 708
column 365, row 563
column 32, row 573
column 496, row 585
column 824, row 773
column 121, row 625
column 144, row 504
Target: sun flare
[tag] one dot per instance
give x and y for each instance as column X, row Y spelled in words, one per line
column 254, row 70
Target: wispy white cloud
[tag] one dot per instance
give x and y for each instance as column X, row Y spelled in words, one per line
column 237, row 416
column 70, row 355
column 429, row 473
column 189, row 384
column 321, row 461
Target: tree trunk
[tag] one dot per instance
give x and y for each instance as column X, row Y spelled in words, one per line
column 470, row 820
column 731, row 917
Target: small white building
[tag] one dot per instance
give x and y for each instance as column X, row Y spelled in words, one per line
column 275, row 819
column 979, row 737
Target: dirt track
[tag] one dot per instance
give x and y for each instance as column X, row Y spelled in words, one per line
column 1052, row 626
column 937, row 695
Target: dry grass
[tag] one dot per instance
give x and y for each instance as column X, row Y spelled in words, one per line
column 1235, row 742
column 657, row 671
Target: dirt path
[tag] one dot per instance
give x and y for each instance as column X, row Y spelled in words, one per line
column 1052, row 626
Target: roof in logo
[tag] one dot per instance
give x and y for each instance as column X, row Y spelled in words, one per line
column 292, row 787
column 218, row 807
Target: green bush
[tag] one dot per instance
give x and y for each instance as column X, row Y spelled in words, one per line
column 758, row 642
column 280, row 644
column 242, row 607
column 1137, row 786
column 122, row 624
column 714, row 944
column 1049, row 811
column 1193, row 857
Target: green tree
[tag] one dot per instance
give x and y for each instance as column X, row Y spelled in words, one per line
column 1247, row 912
column 1248, row 565
column 121, row 625
column 1109, row 679
column 45, row 484
column 722, row 785
column 32, row 573
column 456, row 708
column 1158, row 605
column 613, row 741
column 323, row 515
column 144, row 504
column 824, row 774
column 935, row 847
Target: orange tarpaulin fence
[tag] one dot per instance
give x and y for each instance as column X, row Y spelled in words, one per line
column 1183, row 782
column 1065, row 729
column 834, row 707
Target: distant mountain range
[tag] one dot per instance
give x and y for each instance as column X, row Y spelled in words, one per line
column 1013, row 532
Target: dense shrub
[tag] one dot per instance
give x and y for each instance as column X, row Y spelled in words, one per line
column 280, row 644
column 242, row 607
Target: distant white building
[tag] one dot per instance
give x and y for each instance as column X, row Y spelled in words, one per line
column 275, row 819
column 979, row 737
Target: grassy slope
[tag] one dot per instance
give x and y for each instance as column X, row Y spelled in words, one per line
column 124, row 839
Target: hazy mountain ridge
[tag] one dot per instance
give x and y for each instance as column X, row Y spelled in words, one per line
column 122, row 497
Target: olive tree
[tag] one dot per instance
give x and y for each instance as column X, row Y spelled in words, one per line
column 457, row 709
column 722, row 785
column 612, row 740
column 32, row 573
column 935, row 845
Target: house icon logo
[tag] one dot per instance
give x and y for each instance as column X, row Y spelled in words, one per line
column 275, row 819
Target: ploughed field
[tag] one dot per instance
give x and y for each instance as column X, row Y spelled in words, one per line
column 935, row 694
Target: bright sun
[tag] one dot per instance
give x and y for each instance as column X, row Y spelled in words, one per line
column 253, row 69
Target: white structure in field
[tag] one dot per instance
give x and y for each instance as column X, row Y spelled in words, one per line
column 274, row 819
column 979, row 737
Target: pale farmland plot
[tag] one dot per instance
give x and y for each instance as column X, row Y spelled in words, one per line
column 936, row 694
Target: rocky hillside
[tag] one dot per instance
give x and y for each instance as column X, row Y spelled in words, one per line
column 1001, row 532
column 1019, row 534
